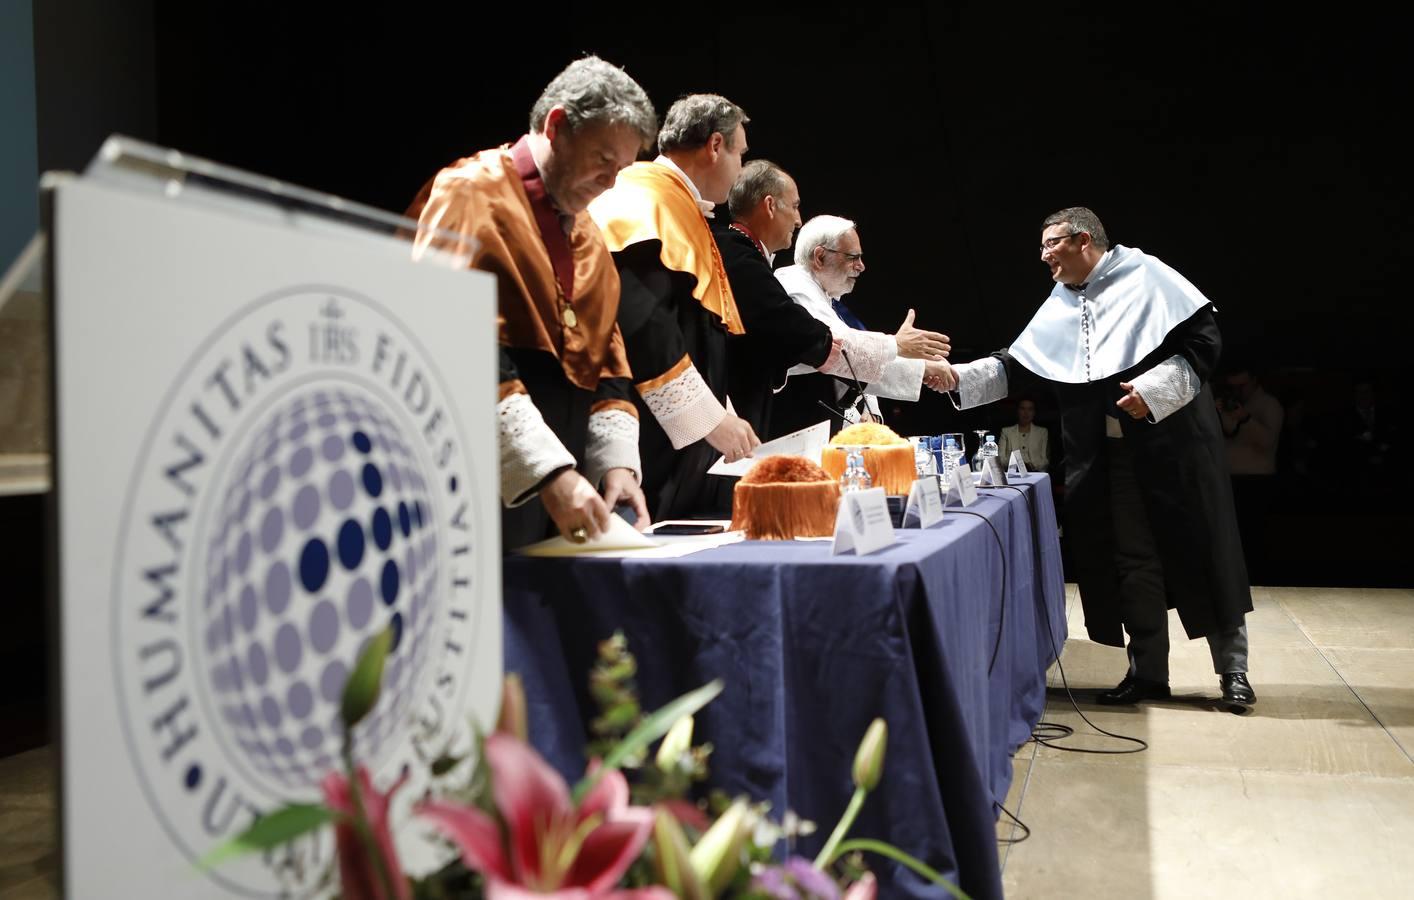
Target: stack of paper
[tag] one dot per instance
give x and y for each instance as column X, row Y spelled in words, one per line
column 807, row 442
column 618, row 536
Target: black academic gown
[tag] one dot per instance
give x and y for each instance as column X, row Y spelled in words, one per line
column 779, row 332
column 1181, row 467
column 566, row 409
column 812, row 398
column 661, row 321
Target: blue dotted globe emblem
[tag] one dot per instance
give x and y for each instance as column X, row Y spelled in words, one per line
column 322, row 538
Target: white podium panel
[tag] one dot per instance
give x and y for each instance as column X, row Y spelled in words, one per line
column 272, row 442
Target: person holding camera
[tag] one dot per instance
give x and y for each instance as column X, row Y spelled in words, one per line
column 1251, row 421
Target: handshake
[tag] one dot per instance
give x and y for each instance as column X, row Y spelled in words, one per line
column 932, row 348
column 939, row 376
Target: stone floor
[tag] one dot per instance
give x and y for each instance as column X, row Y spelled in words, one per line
column 1310, row 794
column 28, row 862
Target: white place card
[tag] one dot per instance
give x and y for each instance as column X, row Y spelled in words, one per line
column 1016, row 463
column 962, row 489
column 992, row 472
column 863, row 523
column 925, row 501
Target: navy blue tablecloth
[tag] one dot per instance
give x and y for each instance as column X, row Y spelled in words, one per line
column 812, row 647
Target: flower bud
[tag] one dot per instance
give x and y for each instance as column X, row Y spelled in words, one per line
column 512, row 720
column 866, row 888
column 672, row 860
column 361, row 690
column 677, row 743
column 717, row 856
column 869, row 759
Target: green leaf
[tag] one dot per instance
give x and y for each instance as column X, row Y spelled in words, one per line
column 617, row 718
column 361, row 690
column 891, row 852
column 444, row 764
column 279, row 827
column 649, row 730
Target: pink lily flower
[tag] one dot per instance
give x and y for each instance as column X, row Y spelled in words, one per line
column 687, row 813
column 866, row 888
column 358, row 875
column 552, row 848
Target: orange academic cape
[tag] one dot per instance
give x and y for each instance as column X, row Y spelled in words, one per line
column 650, row 202
column 483, row 200
column 675, row 329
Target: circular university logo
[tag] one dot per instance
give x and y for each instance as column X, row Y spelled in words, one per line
column 304, row 488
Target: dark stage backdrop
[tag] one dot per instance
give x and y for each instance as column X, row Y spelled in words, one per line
column 1254, row 154
column 1254, row 150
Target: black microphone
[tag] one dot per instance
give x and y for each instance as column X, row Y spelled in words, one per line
column 859, row 388
column 834, row 412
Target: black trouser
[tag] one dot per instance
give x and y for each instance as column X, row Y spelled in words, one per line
column 1143, row 600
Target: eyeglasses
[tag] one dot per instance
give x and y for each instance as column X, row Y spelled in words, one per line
column 1052, row 243
column 848, row 257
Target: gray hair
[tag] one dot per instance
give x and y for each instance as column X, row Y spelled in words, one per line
column 821, row 231
column 1080, row 219
column 759, row 178
column 692, row 120
column 592, row 92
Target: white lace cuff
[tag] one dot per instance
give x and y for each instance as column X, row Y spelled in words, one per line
column 530, row 450
column 979, row 382
column 613, row 444
column 683, row 404
column 1168, row 387
column 869, row 353
column 902, row 379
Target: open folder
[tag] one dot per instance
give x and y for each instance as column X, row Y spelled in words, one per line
column 807, row 442
column 618, row 536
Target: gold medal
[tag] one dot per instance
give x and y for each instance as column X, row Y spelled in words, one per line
column 570, row 318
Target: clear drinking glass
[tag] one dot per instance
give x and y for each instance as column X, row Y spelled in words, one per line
column 977, row 455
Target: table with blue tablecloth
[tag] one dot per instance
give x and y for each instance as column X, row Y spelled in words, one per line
column 947, row 634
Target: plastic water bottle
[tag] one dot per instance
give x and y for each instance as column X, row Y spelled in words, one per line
column 863, row 481
column 951, row 456
column 989, row 450
column 923, row 458
column 855, row 477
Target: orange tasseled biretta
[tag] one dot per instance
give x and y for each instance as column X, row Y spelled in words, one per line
column 785, row 497
column 888, row 457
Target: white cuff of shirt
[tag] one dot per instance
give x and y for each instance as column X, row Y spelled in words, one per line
column 869, row 352
column 613, row 444
column 901, row 379
column 684, row 406
column 1167, row 387
column 530, row 450
column 979, row 382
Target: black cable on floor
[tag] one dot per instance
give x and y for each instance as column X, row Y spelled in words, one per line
column 1050, row 741
column 1066, row 731
column 1019, row 824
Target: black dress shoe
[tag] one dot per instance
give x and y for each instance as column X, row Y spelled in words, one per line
column 1132, row 690
column 1236, row 689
